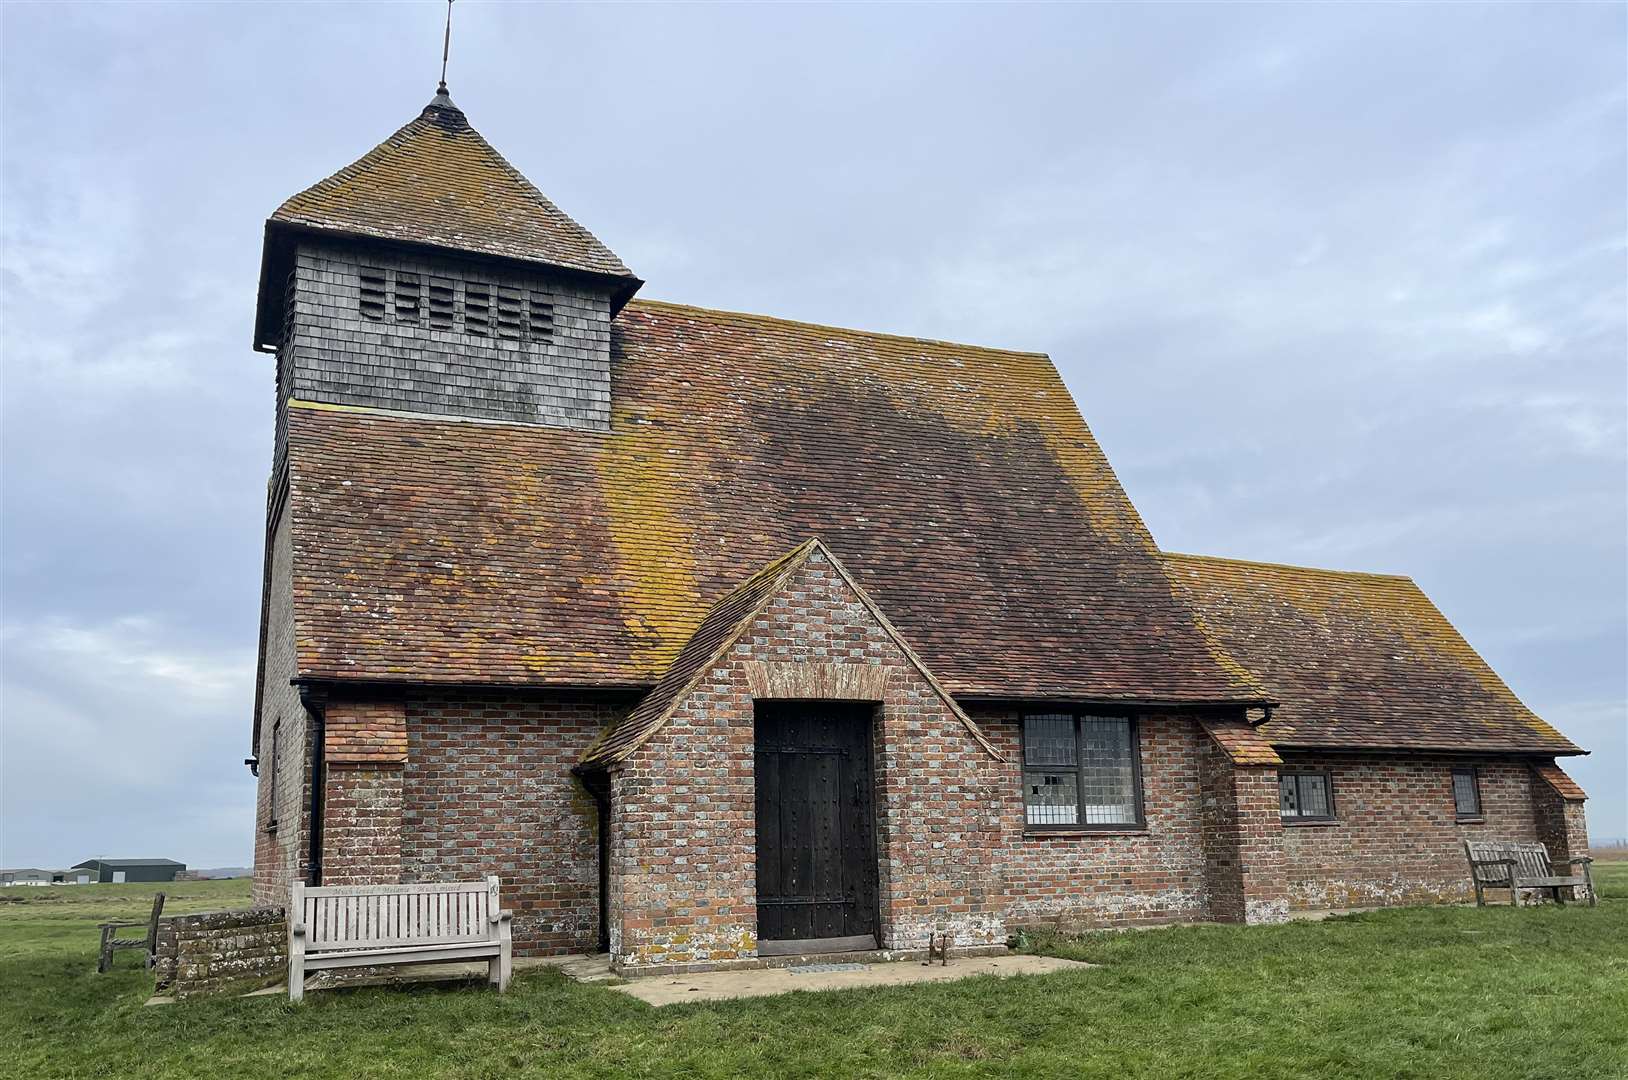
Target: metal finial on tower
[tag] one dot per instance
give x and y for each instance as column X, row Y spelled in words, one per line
column 446, row 50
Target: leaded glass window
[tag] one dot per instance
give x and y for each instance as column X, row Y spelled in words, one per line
column 1080, row 771
column 1306, row 796
column 1466, row 794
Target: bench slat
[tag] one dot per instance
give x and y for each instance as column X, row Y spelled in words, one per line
column 391, row 958
column 428, row 889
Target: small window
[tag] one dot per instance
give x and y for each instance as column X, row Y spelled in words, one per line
column 1306, row 796
column 271, row 774
column 540, row 314
column 441, row 310
column 372, row 292
column 1081, row 772
column 1466, row 795
column 477, row 309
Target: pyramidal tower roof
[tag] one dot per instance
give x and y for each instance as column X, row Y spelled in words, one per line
column 436, row 183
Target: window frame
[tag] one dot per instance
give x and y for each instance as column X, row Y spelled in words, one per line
column 271, row 781
column 1333, row 815
column 1076, row 715
column 1459, row 816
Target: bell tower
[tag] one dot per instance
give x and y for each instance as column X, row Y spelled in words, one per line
column 431, row 277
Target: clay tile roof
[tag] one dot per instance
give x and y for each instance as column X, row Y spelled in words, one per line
column 722, row 625
column 959, row 485
column 1556, row 777
column 1244, row 743
column 721, row 628
column 437, row 182
column 1357, row 660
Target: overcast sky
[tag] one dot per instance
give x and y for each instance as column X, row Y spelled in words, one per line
column 1333, row 285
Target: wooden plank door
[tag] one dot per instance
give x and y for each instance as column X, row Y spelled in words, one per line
column 816, row 837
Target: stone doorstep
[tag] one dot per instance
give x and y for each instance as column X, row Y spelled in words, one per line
column 756, row 963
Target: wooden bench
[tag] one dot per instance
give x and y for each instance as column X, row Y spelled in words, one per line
column 111, row 940
column 343, row 926
column 1499, row 864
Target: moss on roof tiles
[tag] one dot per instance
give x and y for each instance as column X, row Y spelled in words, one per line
column 436, row 181
column 958, row 484
column 1357, row 660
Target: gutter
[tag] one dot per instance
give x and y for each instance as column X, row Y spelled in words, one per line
column 628, row 690
column 1446, row 751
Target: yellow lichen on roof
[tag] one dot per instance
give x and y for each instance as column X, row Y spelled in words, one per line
column 958, row 484
column 1356, row 658
column 981, row 390
column 437, row 181
column 657, row 580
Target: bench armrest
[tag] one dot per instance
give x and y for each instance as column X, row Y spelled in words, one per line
column 119, row 925
column 502, row 916
column 1574, row 860
column 297, row 929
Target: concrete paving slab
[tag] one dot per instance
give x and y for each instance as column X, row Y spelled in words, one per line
column 833, row 975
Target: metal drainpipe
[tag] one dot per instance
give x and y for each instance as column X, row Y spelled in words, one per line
column 316, row 709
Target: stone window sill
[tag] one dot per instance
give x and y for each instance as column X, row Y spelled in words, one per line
column 1470, row 821
column 1309, row 823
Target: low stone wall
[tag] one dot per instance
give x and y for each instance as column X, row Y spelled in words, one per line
column 221, row 952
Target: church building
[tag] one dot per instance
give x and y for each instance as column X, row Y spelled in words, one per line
column 720, row 636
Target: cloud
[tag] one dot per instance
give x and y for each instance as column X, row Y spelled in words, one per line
column 128, row 710
column 1337, row 284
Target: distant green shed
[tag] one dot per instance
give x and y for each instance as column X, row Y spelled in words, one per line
column 118, row 870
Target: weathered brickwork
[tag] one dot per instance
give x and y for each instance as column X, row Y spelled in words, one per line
column 1395, row 839
column 683, row 871
column 367, row 732
column 1242, row 837
column 1557, row 814
column 488, row 789
column 415, row 360
column 283, row 794
column 221, row 952
column 1092, row 879
column 362, row 825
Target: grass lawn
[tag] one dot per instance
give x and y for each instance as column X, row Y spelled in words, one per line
column 1539, row 992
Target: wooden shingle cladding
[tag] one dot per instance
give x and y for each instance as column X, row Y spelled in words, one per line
column 1357, row 661
column 958, row 485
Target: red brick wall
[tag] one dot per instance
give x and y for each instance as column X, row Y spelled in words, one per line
column 1395, row 840
column 364, row 749
column 683, row 868
column 1559, row 821
column 1108, row 879
column 488, row 790
column 365, row 733
column 1243, row 839
column 362, row 835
